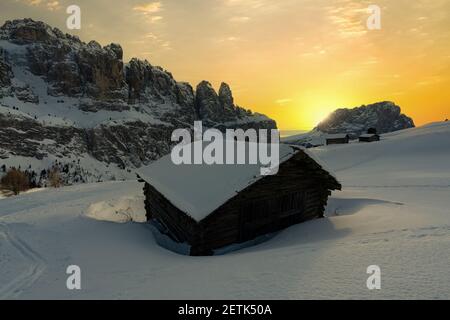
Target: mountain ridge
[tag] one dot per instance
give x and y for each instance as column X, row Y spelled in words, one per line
column 62, row 99
column 383, row 116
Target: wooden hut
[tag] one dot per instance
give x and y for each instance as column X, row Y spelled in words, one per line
column 368, row 137
column 340, row 138
column 209, row 207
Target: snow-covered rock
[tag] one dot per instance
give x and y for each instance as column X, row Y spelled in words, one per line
column 385, row 117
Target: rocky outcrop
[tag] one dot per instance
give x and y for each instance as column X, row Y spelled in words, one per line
column 147, row 83
column 27, row 31
column 383, row 116
column 26, row 137
column 226, row 97
column 219, row 110
column 5, row 71
column 5, row 76
column 186, row 96
column 101, row 71
column 25, row 94
column 70, row 66
column 127, row 144
column 207, row 102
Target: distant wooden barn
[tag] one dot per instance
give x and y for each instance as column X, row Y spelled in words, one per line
column 340, row 138
column 368, row 137
column 209, row 207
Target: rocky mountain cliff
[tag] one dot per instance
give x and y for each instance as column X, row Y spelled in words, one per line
column 383, row 116
column 73, row 102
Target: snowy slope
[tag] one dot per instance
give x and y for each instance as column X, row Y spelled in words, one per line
column 412, row 157
column 394, row 213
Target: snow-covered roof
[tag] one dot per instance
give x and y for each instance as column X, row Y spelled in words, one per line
column 319, row 161
column 337, row 136
column 368, row 135
column 198, row 190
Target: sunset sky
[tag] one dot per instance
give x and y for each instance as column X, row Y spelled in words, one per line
column 294, row 60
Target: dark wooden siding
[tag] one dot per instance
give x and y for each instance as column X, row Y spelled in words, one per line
column 338, row 141
column 182, row 228
column 370, row 139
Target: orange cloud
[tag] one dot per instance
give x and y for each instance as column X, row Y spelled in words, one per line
column 149, row 8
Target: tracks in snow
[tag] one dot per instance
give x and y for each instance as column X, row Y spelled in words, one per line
column 35, row 266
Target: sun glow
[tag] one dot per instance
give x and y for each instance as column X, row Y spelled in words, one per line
column 295, row 61
column 319, row 114
column 315, row 108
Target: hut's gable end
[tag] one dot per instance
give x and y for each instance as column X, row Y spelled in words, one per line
column 179, row 225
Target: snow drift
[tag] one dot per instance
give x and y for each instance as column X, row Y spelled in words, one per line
column 124, row 209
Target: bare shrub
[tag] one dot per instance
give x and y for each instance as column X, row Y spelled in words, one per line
column 15, row 181
column 54, row 178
